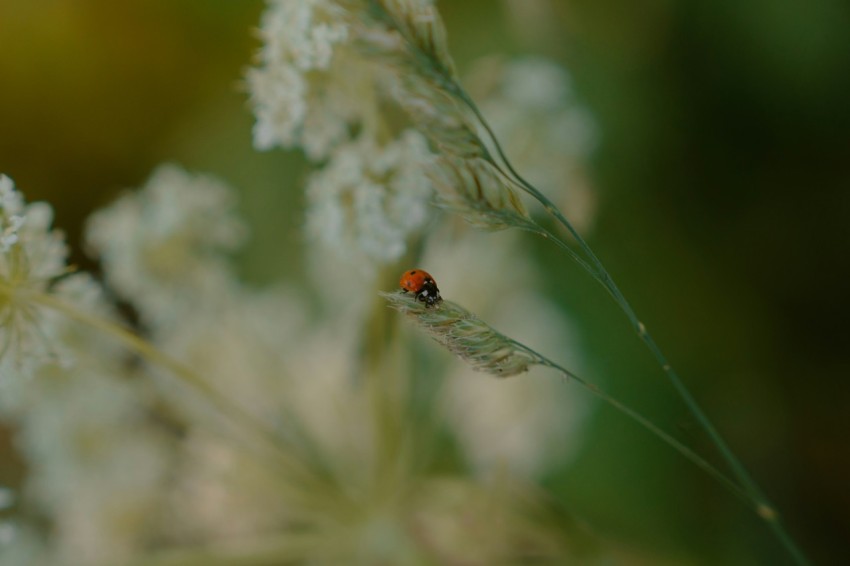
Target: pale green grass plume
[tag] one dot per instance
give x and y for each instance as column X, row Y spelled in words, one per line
column 466, row 336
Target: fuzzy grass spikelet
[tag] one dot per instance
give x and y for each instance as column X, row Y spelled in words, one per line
column 420, row 24
column 409, row 39
column 473, row 189
column 466, row 336
column 436, row 112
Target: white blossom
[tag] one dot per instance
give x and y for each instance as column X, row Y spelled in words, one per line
column 164, row 248
column 329, row 67
column 98, row 463
column 264, row 352
column 187, row 442
column 96, row 459
column 303, row 32
column 310, row 87
column 368, row 200
column 11, row 213
column 32, row 255
column 215, row 482
column 267, row 355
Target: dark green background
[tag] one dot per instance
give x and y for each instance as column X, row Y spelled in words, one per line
column 723, row 177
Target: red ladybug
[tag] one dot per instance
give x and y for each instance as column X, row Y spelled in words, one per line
column 422, row 285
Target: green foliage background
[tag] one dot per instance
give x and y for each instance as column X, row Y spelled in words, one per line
column 723, row 177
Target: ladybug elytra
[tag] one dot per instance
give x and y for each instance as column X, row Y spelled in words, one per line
column 422, row 285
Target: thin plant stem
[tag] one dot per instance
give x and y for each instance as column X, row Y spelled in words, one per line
column 665, row 437
column 764, row 509
column 438, row 71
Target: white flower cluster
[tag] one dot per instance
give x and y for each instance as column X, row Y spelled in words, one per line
column 98, row 461
column 263, row 426
column 366, row 201
column 11, row 207
column 95, row 460
column 163, row 248
column 102, row 460
column 326, row 70
column 111, row 475
column 304, row 92
column 326, row 63
column 32, row 256
column 105, row 466
column 326, row 76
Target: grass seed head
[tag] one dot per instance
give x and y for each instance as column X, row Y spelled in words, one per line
column 466, row 336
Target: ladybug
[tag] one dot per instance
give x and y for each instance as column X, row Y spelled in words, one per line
column 422, row 285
